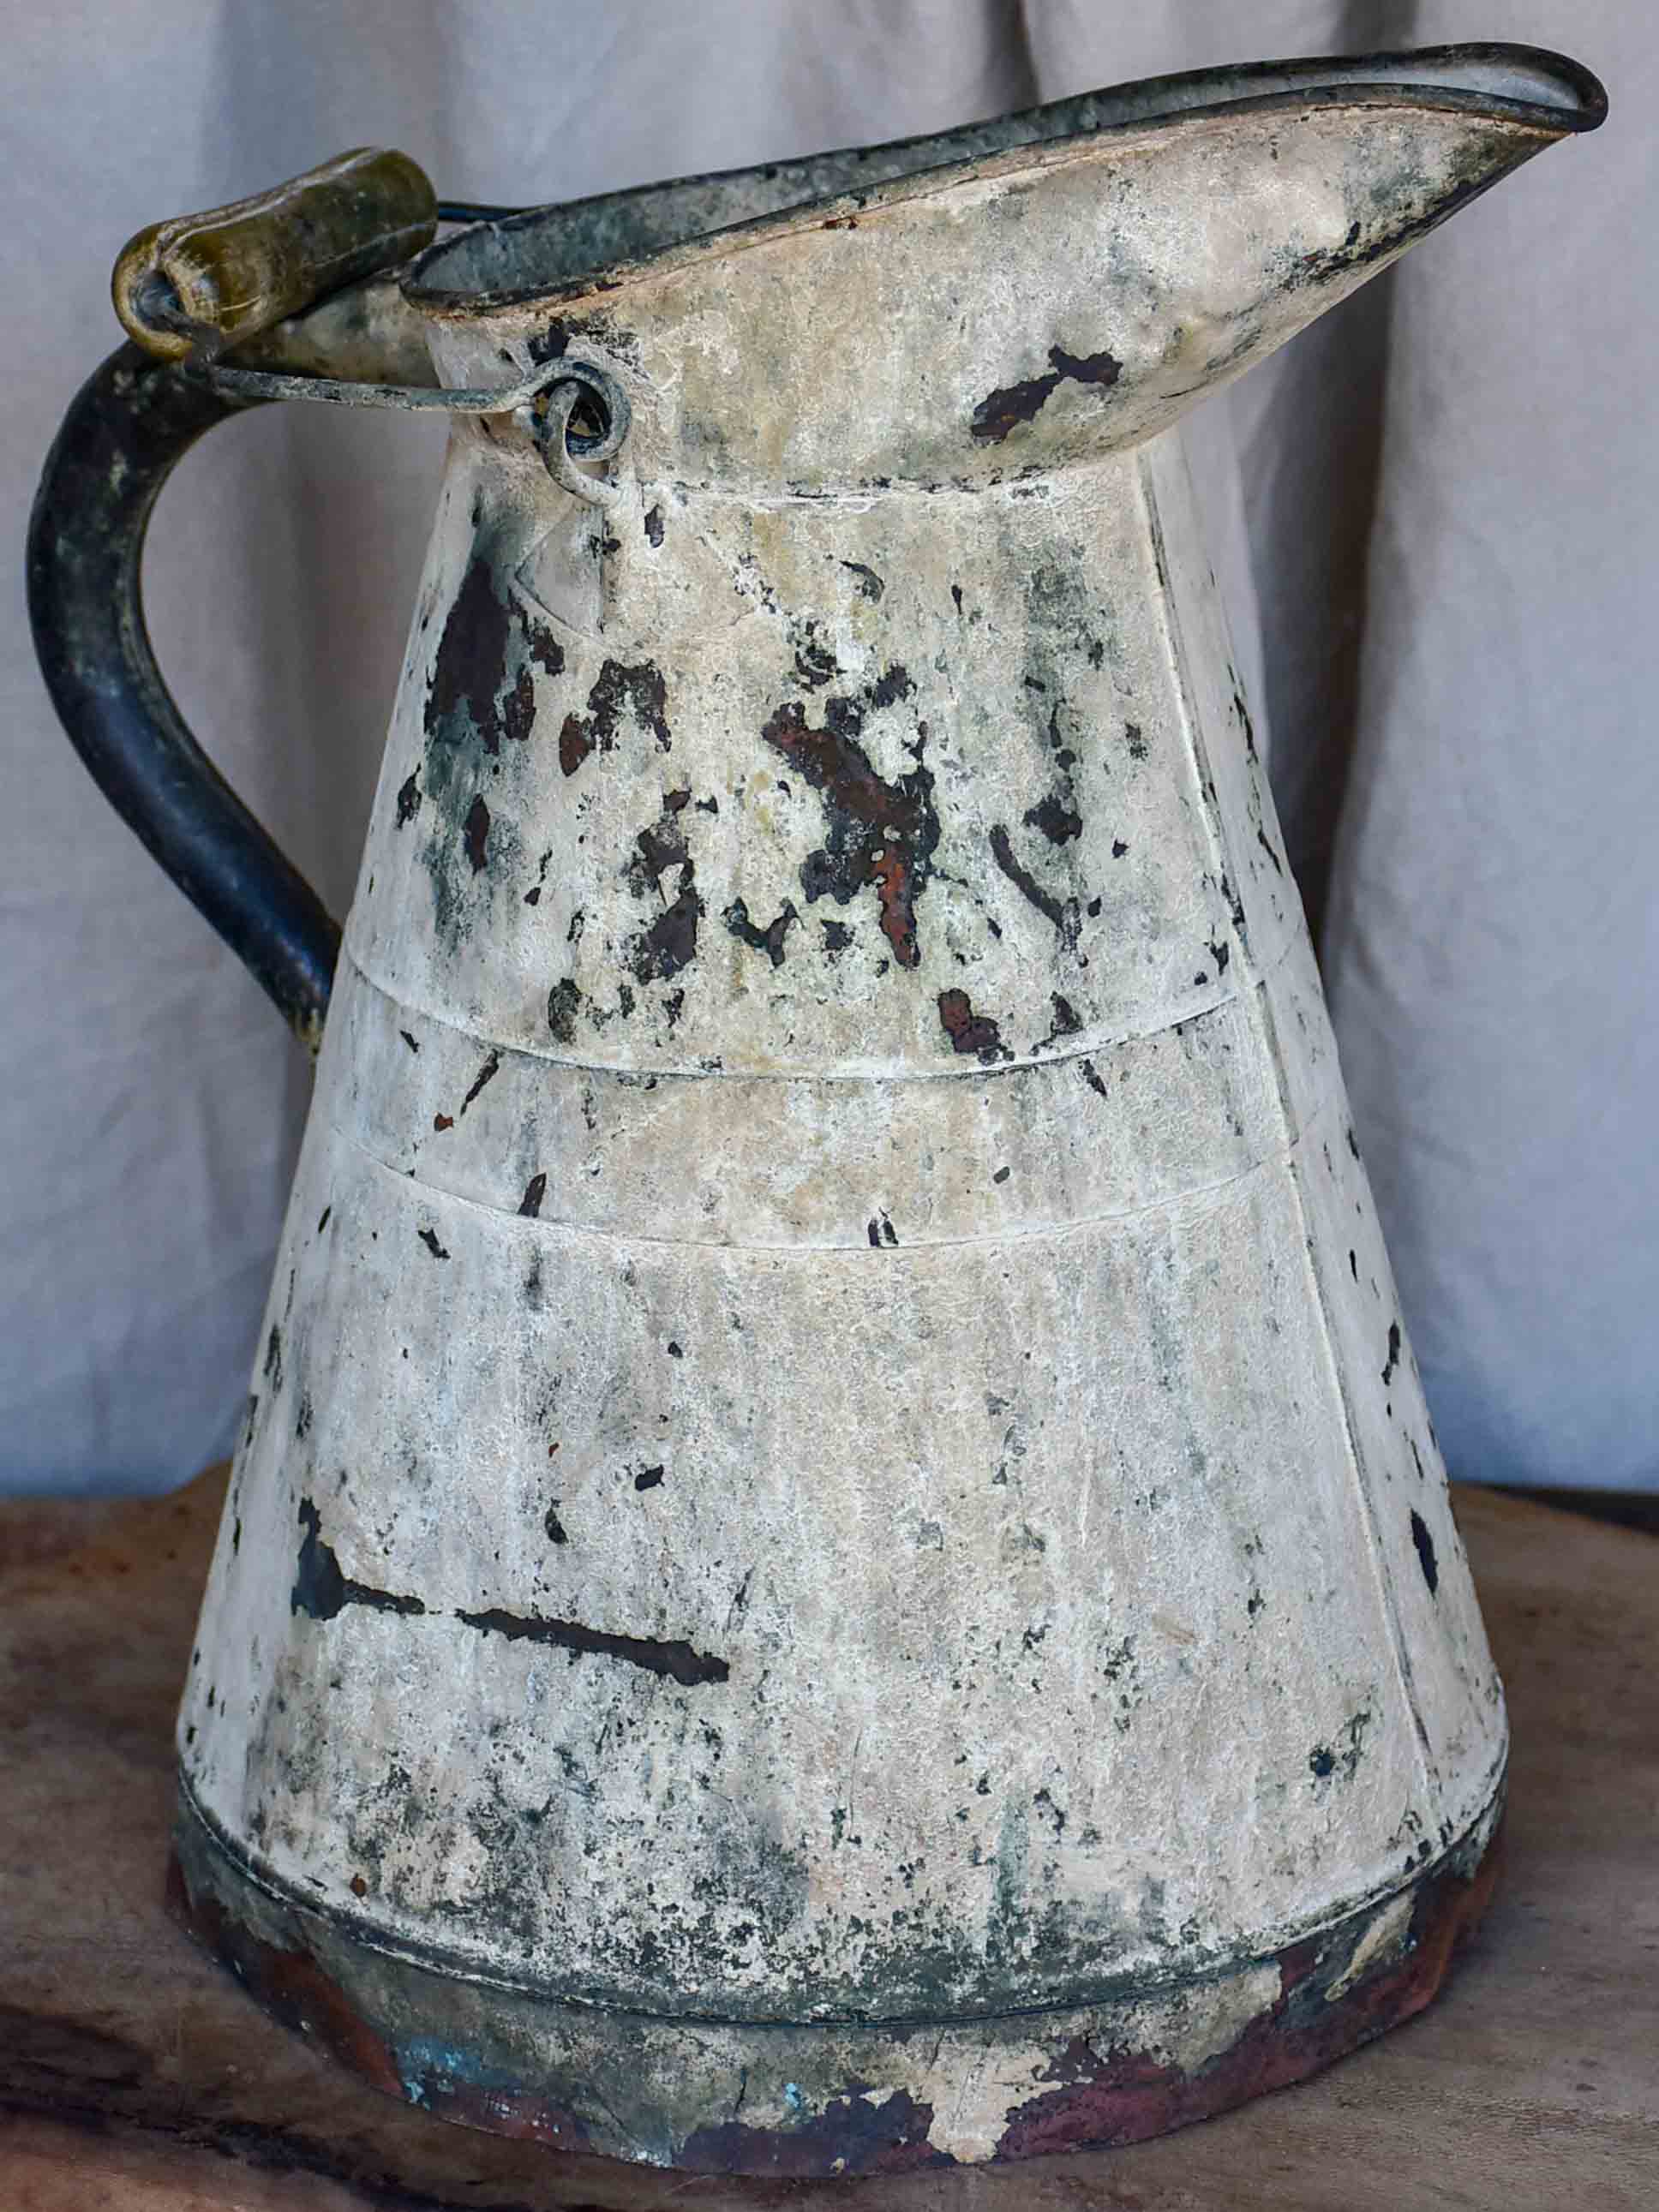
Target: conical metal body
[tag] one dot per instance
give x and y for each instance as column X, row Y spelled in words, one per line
column 837, row 1560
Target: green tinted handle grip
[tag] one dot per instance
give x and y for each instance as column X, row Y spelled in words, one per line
column 197, row 283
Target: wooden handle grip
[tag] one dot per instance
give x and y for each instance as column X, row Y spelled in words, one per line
column 202, row 282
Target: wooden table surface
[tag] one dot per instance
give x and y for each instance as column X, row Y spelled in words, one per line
column 135, row 2077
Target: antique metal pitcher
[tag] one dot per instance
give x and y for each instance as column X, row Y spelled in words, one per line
column 837, row 1561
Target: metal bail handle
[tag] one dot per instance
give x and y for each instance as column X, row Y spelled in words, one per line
column 199, row 283
column 549, row 398
column 187, row 289
column 551, row 422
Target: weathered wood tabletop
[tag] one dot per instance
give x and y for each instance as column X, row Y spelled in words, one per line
column 135, row 2077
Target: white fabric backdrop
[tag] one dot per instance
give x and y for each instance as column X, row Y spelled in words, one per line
column 1453, row 525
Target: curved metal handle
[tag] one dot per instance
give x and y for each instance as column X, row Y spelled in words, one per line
column 127, row 428
column 187, row 288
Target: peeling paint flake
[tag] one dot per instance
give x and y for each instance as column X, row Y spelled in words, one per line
column 970, row 1032
column 880, row 833
column 322, row 1591
column 1003, row 410
column 674, row 1658
column 619, row 688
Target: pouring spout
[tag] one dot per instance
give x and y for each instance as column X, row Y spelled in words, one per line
column 1235, row 220
column 1229, row 214
column 1015, row 295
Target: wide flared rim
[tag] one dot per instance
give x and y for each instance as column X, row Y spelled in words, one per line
column 1530, row 87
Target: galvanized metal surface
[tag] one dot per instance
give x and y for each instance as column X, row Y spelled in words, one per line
column 834, row 1470
column 715, row 2097
column 125, row 2051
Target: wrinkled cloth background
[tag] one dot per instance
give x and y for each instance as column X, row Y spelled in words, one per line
column 1436, row 517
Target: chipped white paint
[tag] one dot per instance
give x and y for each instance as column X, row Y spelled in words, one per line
column 1384, row 1938
column 833, row 1443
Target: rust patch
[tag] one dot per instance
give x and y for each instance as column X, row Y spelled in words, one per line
column 1426, row 1559
column 321, row 1591
column 670, row 943
column 491, row 1068
column 503, row 2109
column 1123, row 2096
column 670, row 1657
column 815, row 663
column 289, row 1984
column 474, row 834
column 619, row 688
column 1092, row 2098
column 1002, row 411
column 881, row 834
column 469, row 672
column 1067, row 1022
column 849, row 2135
column 970, row 1032
column 1059, row 822
column 769, row 940
column 472, row 658
column 1063, row 916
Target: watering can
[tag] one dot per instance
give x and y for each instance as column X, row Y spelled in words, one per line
column 836, row 1561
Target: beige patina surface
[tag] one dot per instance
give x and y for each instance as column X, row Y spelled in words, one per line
column 834, row 1474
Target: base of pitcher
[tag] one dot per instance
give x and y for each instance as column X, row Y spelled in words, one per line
column 834, row 2098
